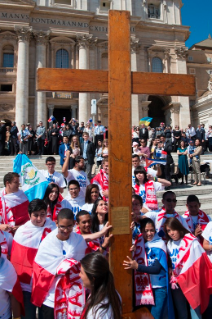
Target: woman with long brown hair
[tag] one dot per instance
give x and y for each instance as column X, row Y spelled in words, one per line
column 104, row 301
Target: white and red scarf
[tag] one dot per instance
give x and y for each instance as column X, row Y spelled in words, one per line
column 25, row 246
column 161, row 218
column 3, row 244
column 9, row 281
column 193, row 272
column 151, row 198
column 14, row 208
column 142, row 284
column 69, row 292
column 101, row 179
column 203, row 220
column 49, row 257
column 92, row 245
column 57, row 208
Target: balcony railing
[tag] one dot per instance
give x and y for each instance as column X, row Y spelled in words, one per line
column 7, row 70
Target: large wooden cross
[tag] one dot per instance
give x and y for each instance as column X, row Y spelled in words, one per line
column 120, row 83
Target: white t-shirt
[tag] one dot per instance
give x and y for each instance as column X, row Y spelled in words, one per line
column 5, row 265
column 88, row 207
column 173, row 250
column 150, row 171
column 153, row 216
column 100, row 313
column 207, row 234
column 79, row 176
column 157, row 186
column 56, row 178
column 76, row 204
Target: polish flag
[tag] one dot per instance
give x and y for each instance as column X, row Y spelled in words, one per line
column 25, row 246
column 9, row 281
column 50, row 255
column 14, row 208
column 193, row 272
column 93, row 245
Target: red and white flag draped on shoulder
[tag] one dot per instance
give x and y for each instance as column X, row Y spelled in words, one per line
column 9, row 281
column 193, row 272
column 202, row 217
column 92, row 245
column 25, row 246
column 13, row 208
column 101, row 179
column 49, row 257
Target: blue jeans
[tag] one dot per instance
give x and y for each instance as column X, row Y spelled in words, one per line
column 160, row 296
column 30, row 309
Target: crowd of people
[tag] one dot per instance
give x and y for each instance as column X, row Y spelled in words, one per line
column 50, row 246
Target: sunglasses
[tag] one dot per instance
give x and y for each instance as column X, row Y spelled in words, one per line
column 169, row 200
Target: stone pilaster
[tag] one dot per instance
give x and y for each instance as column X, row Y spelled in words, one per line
column 22, row 85
column 145, row 108
column 74, row 111
column 174, row 112
column 40, row 98
column 135, row 46
column 83, row 43
column 184, row 116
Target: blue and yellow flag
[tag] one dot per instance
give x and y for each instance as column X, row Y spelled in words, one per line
column 145, row 120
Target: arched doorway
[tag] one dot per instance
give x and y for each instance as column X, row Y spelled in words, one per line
column 156, row 110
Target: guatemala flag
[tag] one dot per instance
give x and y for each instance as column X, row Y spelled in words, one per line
column 32, row 181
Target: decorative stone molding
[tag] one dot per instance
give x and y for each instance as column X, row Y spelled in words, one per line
column 23, row 33
column 41, row 36
column 103, row 45
column 135, row 45
column 7, row 35
column 62, row 41
column 84, row 40
column 6, row 107
column 8, row 116
column 166, row 54
column 181, row 52
column 175, row 108
column 210, row 84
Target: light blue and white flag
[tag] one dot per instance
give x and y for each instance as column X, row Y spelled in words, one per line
column 33, row 183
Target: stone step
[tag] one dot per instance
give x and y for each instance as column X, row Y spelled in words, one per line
column 207, row 208
column 185, row 190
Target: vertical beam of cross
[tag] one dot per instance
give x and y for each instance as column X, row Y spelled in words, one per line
column 120, row 171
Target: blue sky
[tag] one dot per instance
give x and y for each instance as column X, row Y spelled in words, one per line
column 197, row 15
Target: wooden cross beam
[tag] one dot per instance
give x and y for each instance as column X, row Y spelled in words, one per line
column 120, row 83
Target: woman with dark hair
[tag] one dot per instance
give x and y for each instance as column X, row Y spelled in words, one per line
column 146, row 186
column 183, row 160
column 99, row 216
column 54, row 201
column 196, row 162
column 150, row 258
column 91, row 195
column 104, row 301
column 188, row 262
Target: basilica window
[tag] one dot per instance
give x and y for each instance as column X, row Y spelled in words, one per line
column 68, row 2
column 157, row 65
column 153, row 11
column 62, row 59
column 105, row 5
column 8, row 56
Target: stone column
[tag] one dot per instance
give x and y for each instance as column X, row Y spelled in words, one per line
column 22, row 85
column 134, row 67
column 50, row 113
column 40, row 97
column 83, row 64
column 74, row 111
column 184, row 116
column 174, row 111
column 145, row 108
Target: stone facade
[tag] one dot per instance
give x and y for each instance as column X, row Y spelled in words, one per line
column 73, row 34
column 199, row 63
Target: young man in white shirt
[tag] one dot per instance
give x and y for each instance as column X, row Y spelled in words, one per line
column 168, row 210
column 51, row 175
column 23, row 136
column 74, row 198
column 76, row 173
